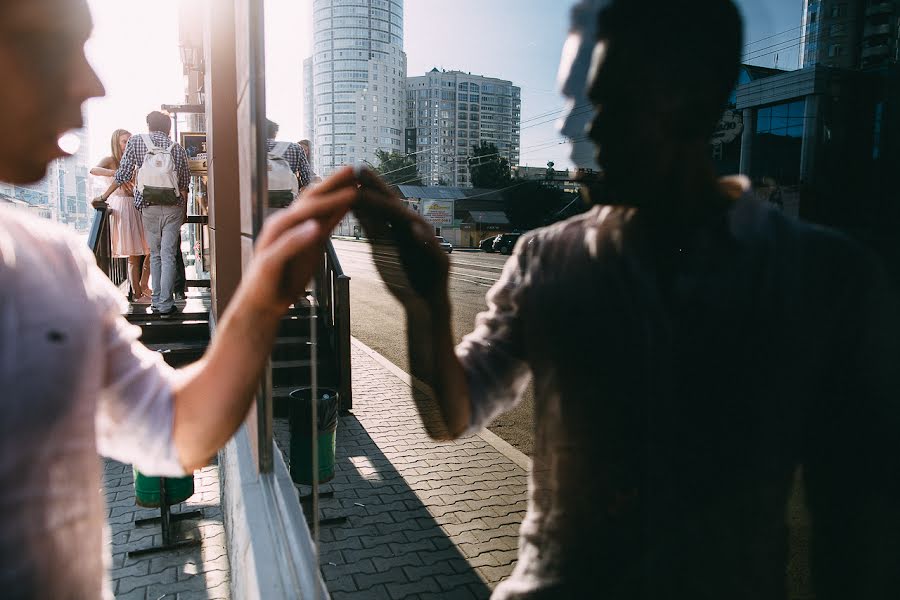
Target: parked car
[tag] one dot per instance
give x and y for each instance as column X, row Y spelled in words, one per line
column 505, row 242
column 444, row 244
column 487, row 244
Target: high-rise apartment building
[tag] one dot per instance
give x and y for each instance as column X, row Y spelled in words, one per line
column 449, row 112
column 850, row 34
column 358, row 81
column 309, row 111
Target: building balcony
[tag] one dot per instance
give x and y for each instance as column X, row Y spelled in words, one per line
column 877, row 30
column 879, row 51
column 883, row 8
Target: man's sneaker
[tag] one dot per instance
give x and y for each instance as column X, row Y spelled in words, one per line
column 165, row 314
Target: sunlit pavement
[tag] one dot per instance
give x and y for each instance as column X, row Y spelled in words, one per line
column 198, row 573
column 424, row 519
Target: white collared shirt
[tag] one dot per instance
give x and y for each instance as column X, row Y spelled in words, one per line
column 74, row 382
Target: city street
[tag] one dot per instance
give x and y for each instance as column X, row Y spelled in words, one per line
column 378, row 321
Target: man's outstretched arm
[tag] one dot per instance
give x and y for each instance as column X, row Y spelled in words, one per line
column 214, row 394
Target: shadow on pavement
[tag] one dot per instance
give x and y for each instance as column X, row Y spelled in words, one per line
column 390, row 545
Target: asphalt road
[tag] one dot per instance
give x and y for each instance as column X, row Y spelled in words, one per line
column 379, row 322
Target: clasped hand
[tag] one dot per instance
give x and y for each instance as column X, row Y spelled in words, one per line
column 401, row 238
column 292, row 241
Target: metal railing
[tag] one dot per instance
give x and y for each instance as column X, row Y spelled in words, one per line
column 100, row 244
column 333, row 299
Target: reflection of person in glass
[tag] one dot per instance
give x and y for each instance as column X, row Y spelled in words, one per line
column 306, row 146
column 573, row 79
column 692, row 350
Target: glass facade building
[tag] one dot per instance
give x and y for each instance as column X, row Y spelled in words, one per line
column 779, row 139
column 358, row 81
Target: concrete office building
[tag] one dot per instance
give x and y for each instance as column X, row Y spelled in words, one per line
column 850, row 34
column 448, row 112
column 64, row 194
column 358, row 81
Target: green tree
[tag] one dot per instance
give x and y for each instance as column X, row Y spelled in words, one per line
column 487, row 168
column 397, row 169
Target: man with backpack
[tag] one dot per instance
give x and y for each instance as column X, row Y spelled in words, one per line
column 163, row 177
column 289, row 169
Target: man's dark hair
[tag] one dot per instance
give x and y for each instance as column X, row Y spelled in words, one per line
column 271, row 129
column 695, row 48
column 159, row 121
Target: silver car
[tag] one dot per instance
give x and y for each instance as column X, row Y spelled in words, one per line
column 444, row 244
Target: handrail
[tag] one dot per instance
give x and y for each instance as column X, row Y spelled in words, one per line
column 333, row 298
column 333, row 257
column 101, row 245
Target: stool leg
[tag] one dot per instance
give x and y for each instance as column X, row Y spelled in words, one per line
column 165, row 520
column 164, row 512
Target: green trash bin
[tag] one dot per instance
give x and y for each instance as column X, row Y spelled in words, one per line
column 146, row 489
column 301, row 434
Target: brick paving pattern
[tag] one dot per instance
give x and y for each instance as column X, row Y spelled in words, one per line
column 425, row 519
column 200, row 573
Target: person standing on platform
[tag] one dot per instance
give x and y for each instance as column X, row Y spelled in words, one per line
column 126, row 230
column 161, row 194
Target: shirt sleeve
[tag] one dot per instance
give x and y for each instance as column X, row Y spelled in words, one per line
column 181, row 165
column 493, row 355
column 135, row 412
column 305, row 170
column 125, row 172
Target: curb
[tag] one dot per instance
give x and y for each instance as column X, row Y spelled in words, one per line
column 492, row 439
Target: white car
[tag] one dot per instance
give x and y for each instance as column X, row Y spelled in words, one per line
column 444, row 244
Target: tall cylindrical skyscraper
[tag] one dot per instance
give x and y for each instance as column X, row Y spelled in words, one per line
column 358, row 81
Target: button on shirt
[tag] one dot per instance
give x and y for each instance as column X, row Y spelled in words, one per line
column 133, row 158
column 296, row 158
column 75, row 382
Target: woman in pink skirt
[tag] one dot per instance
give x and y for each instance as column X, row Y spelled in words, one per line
column 125, row 226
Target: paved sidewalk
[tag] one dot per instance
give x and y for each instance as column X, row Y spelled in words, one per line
column 200, row 573
column 424, row 519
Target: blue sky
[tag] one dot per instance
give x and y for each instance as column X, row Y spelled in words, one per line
column 511, row 39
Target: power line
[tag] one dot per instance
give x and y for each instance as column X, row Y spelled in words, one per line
column 774, row 35
column 791, row 42
column 573, row 114
column 558, row 110
column 746, row 54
